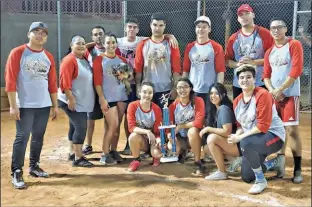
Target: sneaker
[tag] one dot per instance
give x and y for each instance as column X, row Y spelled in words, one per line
column 145, row 155
column 126, row 152
column 258, row 187
column 108, row 160
column 116, row 156
column 82, row 162
column 280, row 167
column 208, row 158
column 218, row 175
column 17, row 179
column 156, row 162
column 199, row 170
column 235, row 164
column 71, row 157
column 38, row 172
column 134, row 165
column 297, row 177
column 87, row 150
column 189, row 155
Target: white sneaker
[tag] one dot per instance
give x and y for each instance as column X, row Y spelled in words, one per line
column 258, row 187
column 218, row 175
column 280, row 168
column 297, row 178
column 235, row 164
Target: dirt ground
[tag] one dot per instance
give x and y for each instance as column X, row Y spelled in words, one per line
column 166, row 185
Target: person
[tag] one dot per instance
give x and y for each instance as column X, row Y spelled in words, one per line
column 144, row 118
column 221, row 124
column 187, row 112
column 283, row 64
column 30, row 70
column 160, row 61
column 247, row 46
column 260, row 131
column 110, row 72
column 97, row 35
column 76, row 97
column 305, row 38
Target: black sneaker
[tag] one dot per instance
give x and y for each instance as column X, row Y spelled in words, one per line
column 87, row 150
column 71, row 157
column 108, row 160
column 36, row 171
column 82, row 162
column 116, row 156
column 17, row 179
column 126, row 152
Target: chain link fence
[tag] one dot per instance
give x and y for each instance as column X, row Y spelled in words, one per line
column 70, row 17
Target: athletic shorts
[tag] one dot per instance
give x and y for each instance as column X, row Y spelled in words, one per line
column 288, row 110
column 97, row 112
column 132, row 96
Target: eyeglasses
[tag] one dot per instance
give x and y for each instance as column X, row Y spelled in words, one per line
column 183, row 87
column 98, row 34
column 278, row 28
column 38, row 32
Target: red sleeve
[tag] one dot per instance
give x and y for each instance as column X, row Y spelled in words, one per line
column 219, row 57
column 235, row 102
column 172, row 108
column 131, row 115
column 199, row 113
column 266, row 37
column 68, row 72
column 118, row 52
column 264, row 103
column 139, row 58
column 86, row 55
column 229, row 52
column 98, row 71
column 52, row 74
column 158, row 121
column 267, row 70
column 296, row 54
column 175, row 60
column 12, row 68
column 186, row 60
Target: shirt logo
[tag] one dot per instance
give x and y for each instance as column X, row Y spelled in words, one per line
column 144, row 124
column 156, row 55
column 37, row 68
column 278, row 61
column 198, row 59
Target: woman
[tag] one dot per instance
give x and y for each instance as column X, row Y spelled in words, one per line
column 221, row 124
column 260, row 131
column 144, row 118
column 188, row 113
column 110, row 87
column 76, row 97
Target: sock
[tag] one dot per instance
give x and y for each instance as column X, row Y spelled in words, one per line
column 269, row 164
column 259, row 174
column 297, row 162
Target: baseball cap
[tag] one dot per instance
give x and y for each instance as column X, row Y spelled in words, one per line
column 203, row 19
column 36, row 25
column 244, row 7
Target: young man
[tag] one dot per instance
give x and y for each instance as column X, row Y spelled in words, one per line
column 30, row 70
column 247, row 46
column 157, row 62
column 283, row 65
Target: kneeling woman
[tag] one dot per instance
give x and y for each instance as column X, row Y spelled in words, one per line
column 260, row 130
column 188, row 113
column 76, row 97
column 221, row 124
column 144, row 118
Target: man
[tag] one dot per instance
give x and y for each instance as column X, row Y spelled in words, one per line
column 158, row 62
column 283, row 65
column 31, row 85
column 247, row 46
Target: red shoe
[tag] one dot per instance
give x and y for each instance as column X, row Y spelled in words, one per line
column 156, row 162
column 134, row 165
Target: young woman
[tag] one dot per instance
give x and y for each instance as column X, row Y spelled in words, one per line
column 221, row 123
column 108, row 82
column 188, row 113
column 144, row 118
column 260, row 131
column 76, row 97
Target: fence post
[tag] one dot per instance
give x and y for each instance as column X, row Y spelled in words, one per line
column 124, row 15
column 295, row 20
column 59, row 51
column 198, row 8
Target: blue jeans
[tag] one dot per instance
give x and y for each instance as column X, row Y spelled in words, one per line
column 34, row 121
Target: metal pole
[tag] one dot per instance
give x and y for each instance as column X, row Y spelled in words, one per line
column 204, row 8
column 295, row 20
column 124, row 9
column 59, row 52
column 198, row 8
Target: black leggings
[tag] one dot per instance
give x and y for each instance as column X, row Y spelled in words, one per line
column 255, row 149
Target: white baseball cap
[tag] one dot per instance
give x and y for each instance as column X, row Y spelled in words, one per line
column 203, row 19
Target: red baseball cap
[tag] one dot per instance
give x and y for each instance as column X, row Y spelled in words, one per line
column 244, row 7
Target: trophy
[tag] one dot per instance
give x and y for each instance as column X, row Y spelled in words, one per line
column 166, row 155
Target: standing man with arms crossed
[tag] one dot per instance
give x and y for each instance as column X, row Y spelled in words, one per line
column 30, row 70
column 283, row 65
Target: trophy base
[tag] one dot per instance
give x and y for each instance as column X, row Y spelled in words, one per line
column 169, row 159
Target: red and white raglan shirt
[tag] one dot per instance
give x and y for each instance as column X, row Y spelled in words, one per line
column 157, row 61
column 92, row 52
column 253, row 46
column 32, row 75
column 260, row 111
column 137, row 117
column 76, row 75
column 103, row 68
column 183, row 114
column 203, row 62
column 280, row 63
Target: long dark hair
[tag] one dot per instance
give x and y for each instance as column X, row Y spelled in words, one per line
column 192, row 93
column 212, row 109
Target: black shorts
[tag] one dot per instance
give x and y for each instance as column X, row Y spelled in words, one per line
column 114, row 103
column 132, row 96
column 97, row 112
